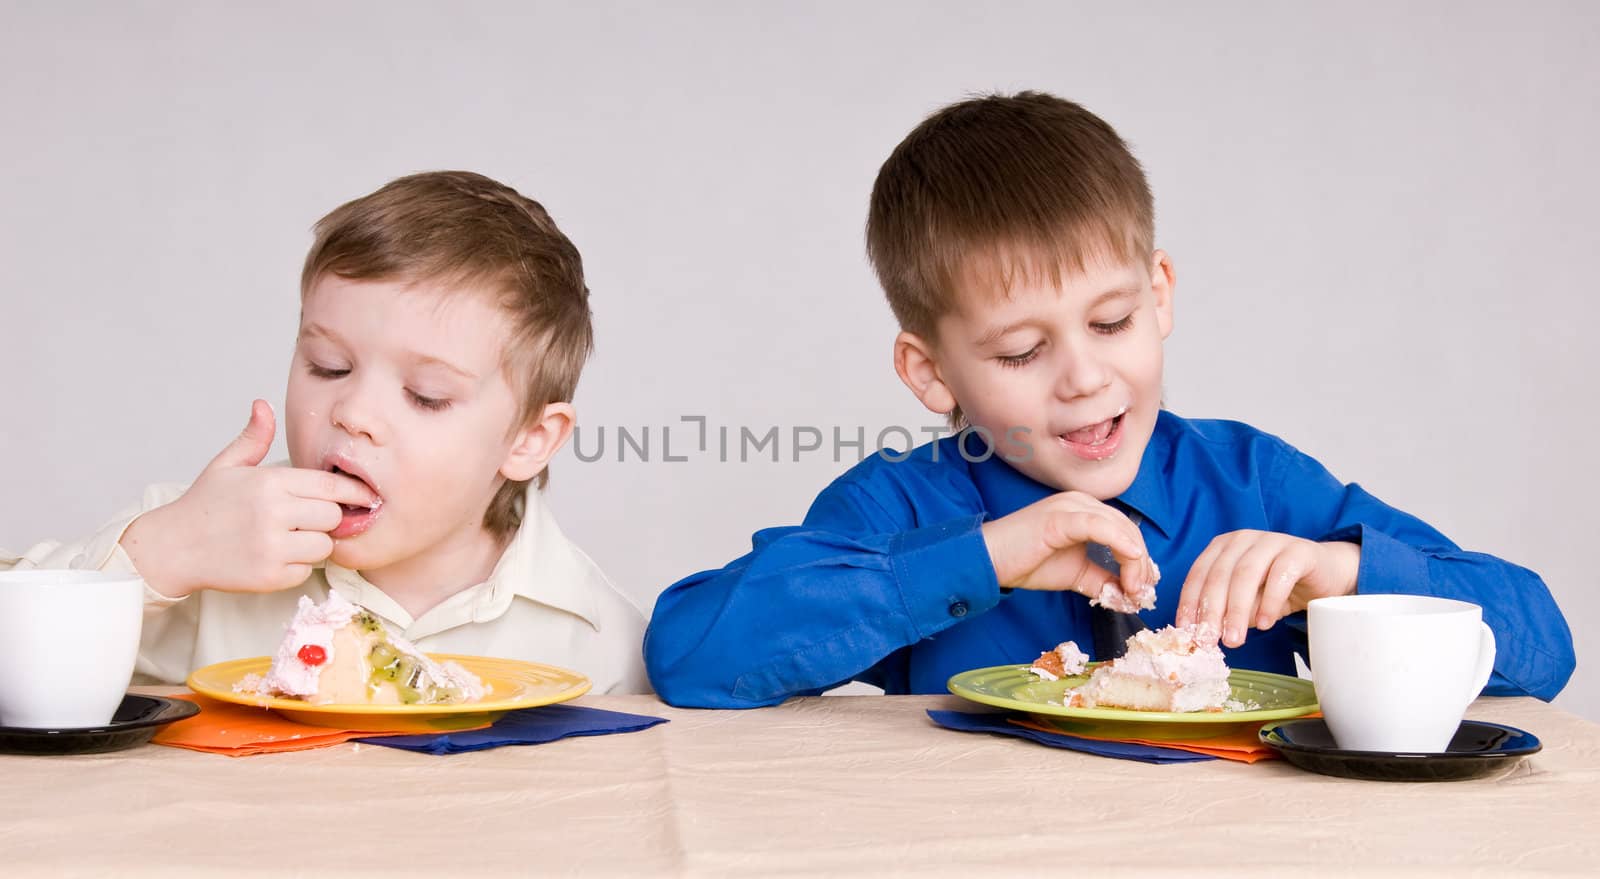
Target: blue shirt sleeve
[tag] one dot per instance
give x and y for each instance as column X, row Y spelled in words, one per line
column 1402, row 554
column 809, row 607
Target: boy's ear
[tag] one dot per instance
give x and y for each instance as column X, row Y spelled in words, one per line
column 537, row 442
column 1162, row 281
column 914, row 360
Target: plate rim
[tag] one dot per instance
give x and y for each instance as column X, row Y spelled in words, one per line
column 1129, row 714
column 1418, row 756
column 259, row 664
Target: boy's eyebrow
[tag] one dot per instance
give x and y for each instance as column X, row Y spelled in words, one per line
column 317, row 330
column 428, row 360
column 995, row 333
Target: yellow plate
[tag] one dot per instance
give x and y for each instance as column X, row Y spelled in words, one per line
column 1012, row 686
column 512, row 684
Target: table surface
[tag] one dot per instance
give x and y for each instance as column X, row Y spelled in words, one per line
column 826, row 785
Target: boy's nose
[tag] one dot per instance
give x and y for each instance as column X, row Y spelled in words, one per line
column 355, row 415
column 1081, row 376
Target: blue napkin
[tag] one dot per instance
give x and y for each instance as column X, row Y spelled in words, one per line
column 997, row 723
column 527, row 726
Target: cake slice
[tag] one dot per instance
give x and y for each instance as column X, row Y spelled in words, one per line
column 339, row 653
column 1171, row 669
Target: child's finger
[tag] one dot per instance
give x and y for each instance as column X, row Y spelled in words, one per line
column 1076, row 501
column 1100, row 585
column 1244, row 591
column 325, row 486
column 307, row 547
column 1286, row 571
column 310, row 515
column 1190, row 598
column 1068, row 528
column 1151, row 572
column 1218, row 583
column 1135, row 536
column 297, row 573
column 1135, row 578
column 1069, row 570
column 252, row 444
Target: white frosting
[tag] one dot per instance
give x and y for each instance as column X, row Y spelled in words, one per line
column 452, row 674
column 1112, row 597
column 1180, row 655
column 312, row 624
column 1073, row 660
column 1179, row 669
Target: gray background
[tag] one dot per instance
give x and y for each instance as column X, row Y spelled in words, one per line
column 1381, row 221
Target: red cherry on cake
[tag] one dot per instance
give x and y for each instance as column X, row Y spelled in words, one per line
column 311, row 654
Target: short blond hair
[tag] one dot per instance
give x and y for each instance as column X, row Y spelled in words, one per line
column 1024, row 183
column 464, row 229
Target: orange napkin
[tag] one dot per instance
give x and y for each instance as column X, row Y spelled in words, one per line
column 242, row 730
column 1241, row 745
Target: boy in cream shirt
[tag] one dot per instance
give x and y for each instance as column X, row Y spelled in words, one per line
column 444, row 322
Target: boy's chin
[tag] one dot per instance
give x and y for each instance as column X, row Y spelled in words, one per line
column 1102, row 480
column 352, row 554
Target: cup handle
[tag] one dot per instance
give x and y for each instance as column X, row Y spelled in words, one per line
column 1480, row 675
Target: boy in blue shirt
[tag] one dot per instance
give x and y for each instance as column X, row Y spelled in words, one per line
column 1013, row 236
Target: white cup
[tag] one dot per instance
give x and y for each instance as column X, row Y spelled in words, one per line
column 1396, row 672
column 68, row 643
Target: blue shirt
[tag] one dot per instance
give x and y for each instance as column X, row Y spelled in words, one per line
column 889, row 581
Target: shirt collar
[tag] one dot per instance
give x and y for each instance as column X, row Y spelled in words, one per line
column 543, row 566
column 1005, row 489
column 540, row 564
column 1151, row 491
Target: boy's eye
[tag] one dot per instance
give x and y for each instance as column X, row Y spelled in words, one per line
column 431, row 404
column 325, row 372
column 1111, row 329
column 1023, row 359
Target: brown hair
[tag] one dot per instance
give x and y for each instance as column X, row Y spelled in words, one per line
column 465, row 229
column 1000, row 185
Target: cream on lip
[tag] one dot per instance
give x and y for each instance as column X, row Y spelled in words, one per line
column 345, row 461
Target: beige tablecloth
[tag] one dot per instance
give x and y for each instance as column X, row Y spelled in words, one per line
column 857, row 784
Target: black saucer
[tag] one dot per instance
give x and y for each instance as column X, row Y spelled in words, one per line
column 1478, row 749
column 136, row 721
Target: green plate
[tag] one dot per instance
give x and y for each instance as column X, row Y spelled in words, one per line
column 1016, row 688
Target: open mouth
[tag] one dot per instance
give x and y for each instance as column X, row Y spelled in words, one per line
column 356, row 519
column 1096, row 441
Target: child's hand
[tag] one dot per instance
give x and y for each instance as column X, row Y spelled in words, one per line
column 1043, row 546
column 1256, row 578
column 243, row 528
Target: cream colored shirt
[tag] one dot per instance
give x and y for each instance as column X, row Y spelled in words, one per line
column 544, row 602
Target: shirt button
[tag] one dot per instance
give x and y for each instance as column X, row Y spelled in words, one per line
column 958, row 608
